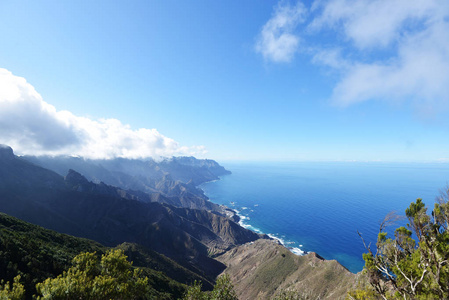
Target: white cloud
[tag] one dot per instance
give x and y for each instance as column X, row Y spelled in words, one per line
column 374, row 23
column 330, row 57
column 393, row 50
column 420, row 72
column 277, row 41
column 31, row 126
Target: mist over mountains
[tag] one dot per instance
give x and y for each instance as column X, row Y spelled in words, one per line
column 172, row 181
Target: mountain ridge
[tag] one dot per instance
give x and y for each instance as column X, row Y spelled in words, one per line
column 173, row 181
column 75, row 206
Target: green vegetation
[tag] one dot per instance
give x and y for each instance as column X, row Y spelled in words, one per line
column 403, row 268
column 36, row 253
column 150, row 260
column 111, row 277
column 30, row 254
column 223, row 290
column 14, row 292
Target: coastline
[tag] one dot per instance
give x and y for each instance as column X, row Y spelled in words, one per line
column 280, row 240
column 238, row 217
column 318, row 205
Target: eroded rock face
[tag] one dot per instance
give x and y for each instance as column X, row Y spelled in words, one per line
column 261, row 269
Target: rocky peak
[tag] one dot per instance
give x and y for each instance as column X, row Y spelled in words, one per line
column 76, row 179
column 6, row 152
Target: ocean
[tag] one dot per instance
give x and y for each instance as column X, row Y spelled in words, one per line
column 320, row 206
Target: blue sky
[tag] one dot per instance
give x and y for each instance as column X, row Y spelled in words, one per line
column 227, row 80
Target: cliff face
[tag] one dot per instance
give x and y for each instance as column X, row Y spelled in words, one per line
column 229, row 233
column 261, row 269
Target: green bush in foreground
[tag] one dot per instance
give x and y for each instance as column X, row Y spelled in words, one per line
column 223, row 290
column 14, row 292
column 402, row 268
column 111, row 277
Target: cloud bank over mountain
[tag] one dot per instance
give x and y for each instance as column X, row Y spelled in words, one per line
column 378, row 49
column 31, row 126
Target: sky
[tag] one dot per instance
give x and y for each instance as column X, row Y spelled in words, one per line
column 323, row 80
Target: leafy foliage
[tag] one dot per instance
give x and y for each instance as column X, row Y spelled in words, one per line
column 14, row 292
column 404, row 268
column 111, row 277
column 194, row 292
column 223, row 290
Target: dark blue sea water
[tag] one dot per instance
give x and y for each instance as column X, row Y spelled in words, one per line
column 320, row 206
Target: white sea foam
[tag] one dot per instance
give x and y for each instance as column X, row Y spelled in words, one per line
column 297, row 251
column 242, row 223
column 247, row 226
column 294, row 250
column 276, row 238
column 243, row 218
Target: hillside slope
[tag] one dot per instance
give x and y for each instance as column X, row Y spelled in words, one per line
column 261, row 269
column 37, row 253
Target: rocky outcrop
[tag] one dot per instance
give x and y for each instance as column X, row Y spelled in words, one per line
column 6, row 152
column 262, row 269
column 229, row 233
